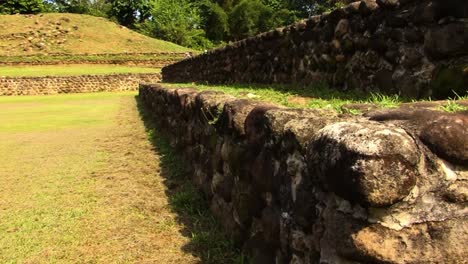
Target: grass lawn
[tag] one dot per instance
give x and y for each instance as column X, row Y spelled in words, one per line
column 82, row 182
column 319, row 96
column 70, row 70
column 296, row 96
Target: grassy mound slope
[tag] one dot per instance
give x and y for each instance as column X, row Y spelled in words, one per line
column 73, row 34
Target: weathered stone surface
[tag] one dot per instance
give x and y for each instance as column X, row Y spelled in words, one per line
column 447, row 136
column 74, row 84
column 367, row 7
column 235, row 114
column 447, row 40
column 389, row 3
column 366, row 162
column 457, row 192
column 433, row 242
column 341, row 28
column 313, row 186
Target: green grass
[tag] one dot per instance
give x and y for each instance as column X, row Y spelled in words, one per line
column 314, row 97
column 46, row 193
column 56, row 112
column 81, row 183
column 319, row 96
column 70, row 70
column 452, row 106
column 73, row 34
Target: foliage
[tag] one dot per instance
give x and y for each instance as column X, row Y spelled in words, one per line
column 198, row 24
column 129, row 12
column 176, row 21
column 250, row 17
column 215, row 21
column 22, row 6
column 99, row 8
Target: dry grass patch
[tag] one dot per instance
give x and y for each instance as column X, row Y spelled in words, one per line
column 90, row 187
column 71, row 70
column 73, row 34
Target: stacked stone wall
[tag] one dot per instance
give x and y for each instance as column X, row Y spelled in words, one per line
column 74, row 84
column 315, row 186
column 413, row 48
column 153, row 63
column 155, row 60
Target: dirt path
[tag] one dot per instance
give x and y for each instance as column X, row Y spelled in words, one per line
column 85, row 194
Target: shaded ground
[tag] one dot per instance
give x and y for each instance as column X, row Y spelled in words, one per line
column 81, row 182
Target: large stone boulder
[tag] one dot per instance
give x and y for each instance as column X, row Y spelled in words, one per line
column 366, row 162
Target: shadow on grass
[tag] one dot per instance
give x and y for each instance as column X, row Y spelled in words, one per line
column 207, row 240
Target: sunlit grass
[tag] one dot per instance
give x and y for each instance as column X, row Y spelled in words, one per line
column 46, row 192
column 42, row 113
column 317, row 96
column 71, row 70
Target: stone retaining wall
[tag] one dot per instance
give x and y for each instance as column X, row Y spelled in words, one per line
column 414, row 48
column 156, row 60
column 314, row 186
column 156, row 63
column 74, row 84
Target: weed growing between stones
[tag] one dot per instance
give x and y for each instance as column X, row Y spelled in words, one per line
column 208, row 241
column 453, row 106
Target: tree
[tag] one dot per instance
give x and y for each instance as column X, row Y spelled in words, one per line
column 130, row 12
column 72, row 6
column 178, row 21
column 22, row 6
column 306, row 8
column 215, row 21
column 91, row 7
column 250, row 17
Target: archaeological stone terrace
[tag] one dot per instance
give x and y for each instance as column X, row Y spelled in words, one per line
column 74, row 84
column 413, row 48
column 315, row 186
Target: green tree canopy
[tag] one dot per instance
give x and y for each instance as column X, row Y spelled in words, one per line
column 215, row 21
column 178, row 21
column 22, row 6
column 250, row 17
column 130, row 12
column 193, row 23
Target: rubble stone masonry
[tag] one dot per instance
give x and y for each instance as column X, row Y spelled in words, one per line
column 413, row 48
column 315, row 186
column 74, row 84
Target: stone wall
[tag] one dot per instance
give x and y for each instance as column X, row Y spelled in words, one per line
column 153, row 63
column 74, row 84
column 155, row 60
column 314, row 186
column 414, row 48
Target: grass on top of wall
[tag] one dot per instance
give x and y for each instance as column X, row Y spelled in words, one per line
column 71, row 70
column 318, row 96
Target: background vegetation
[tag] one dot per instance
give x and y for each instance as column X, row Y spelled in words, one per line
column 200, row 24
